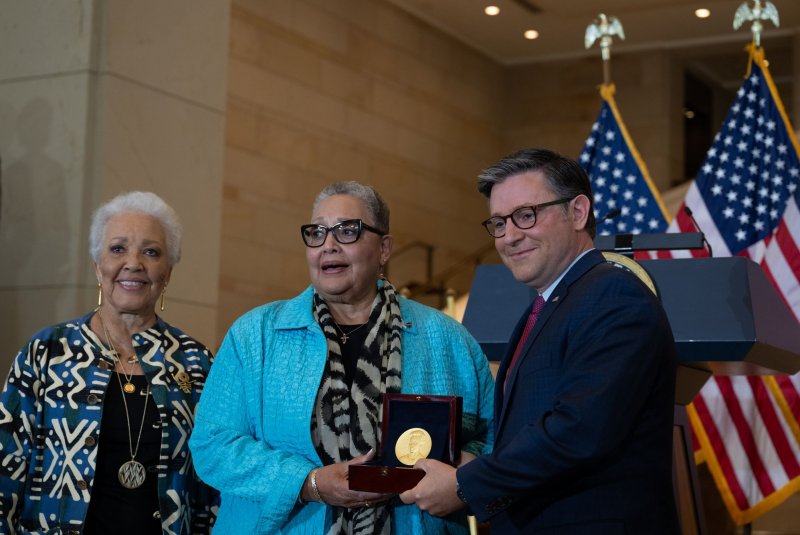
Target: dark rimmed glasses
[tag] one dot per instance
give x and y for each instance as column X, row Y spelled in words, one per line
column 523, row 217
column 344, row 232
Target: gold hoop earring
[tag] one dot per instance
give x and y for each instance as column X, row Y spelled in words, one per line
column 162, row 298
column 99, row 294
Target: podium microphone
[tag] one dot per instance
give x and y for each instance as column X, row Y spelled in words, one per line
column 610, row 215
column 688, row 211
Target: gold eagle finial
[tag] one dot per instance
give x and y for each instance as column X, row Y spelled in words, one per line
column 758, row 13
column 604, row 28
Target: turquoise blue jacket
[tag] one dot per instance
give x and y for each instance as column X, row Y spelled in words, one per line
column 252, row 438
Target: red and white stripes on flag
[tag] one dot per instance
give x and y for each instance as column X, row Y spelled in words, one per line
column 745, row 430
column 745, row 199
column 781, row 260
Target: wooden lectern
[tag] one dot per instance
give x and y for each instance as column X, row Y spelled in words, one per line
column 726, row 317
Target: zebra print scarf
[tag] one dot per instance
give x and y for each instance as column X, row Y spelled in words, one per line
column 346, row 422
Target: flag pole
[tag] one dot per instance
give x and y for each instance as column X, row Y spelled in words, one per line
column 761, row 153
column 603, row 28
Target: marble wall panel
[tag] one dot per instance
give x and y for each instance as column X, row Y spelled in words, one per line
column 25, row 311
column 44, row 37
column 43, row 210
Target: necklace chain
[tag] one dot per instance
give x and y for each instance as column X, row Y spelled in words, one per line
column 136, row 478
column 345, row 336
column 117, row 355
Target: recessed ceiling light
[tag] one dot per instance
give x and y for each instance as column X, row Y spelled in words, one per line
column 531, row 34
column 491, row 10
column 702, row 13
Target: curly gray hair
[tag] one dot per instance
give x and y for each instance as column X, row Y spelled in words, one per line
column 376, row 206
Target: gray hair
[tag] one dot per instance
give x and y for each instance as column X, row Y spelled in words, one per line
column 143, row 202
column 375, row 204
column 565, row 177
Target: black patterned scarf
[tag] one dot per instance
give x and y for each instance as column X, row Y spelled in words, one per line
column 346, row 421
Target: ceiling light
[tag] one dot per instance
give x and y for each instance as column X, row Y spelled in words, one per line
column 492, row 10
column 531, row 34
column 702, row 13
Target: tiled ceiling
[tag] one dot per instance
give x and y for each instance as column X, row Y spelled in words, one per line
column 649, row 24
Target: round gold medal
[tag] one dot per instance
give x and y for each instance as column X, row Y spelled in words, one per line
column 414, row 444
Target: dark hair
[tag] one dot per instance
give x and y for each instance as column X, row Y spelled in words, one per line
column 565, row 177
column 375, row 204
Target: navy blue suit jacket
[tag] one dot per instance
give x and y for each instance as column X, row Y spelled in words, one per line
column 583, row 429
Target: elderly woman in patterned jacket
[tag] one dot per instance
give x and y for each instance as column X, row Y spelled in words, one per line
column 294, row 396
column 96, row 412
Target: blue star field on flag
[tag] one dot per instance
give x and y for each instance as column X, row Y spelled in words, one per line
column 618, row 182
column 751, row 169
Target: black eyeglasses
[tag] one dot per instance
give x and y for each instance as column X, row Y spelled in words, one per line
column 523, row 217
column 345, row 232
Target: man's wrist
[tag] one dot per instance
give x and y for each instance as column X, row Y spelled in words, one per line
column 460, row 493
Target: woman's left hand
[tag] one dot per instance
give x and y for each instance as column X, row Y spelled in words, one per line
column 334, row 490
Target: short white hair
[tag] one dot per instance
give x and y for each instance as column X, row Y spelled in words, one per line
column 143, row 202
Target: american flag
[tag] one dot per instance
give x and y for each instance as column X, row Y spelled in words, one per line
column 620, row 180
column 745, row 200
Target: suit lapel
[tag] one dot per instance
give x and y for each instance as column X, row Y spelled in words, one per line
column 503, row 395
column 503, row 368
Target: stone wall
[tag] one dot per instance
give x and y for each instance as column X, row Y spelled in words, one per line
column 555, row 103
column 321, row 92
column 99, row 97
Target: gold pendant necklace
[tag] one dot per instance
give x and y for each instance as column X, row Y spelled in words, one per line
column 132, row 473
column 343, row 336
column 128, row 387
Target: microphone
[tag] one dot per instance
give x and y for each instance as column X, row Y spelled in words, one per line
column 688, row 211
column 610, row 215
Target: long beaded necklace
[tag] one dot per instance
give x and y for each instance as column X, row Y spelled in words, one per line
column 132, row 473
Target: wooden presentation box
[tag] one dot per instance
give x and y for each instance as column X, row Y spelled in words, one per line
column 439, row 416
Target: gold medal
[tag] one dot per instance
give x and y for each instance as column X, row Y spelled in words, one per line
column 414, row 444
column 129, row 388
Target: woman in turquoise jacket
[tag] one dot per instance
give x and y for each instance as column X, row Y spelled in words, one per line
column 295, row 393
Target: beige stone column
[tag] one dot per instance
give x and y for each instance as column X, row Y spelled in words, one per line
column 99, row 97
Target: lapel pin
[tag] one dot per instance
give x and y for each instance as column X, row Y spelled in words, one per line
column 183, row 380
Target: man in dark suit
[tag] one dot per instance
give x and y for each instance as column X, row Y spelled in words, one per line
column 584, row 395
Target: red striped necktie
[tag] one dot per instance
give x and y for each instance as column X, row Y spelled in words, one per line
column 536, row 309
